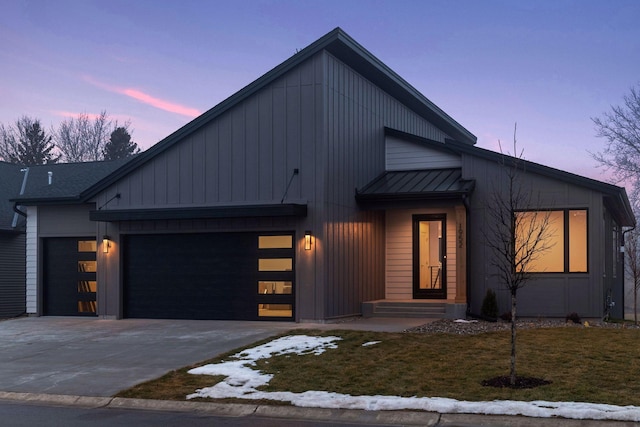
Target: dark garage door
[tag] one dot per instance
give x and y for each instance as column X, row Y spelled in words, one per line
column 200, row 276
column 70, row 276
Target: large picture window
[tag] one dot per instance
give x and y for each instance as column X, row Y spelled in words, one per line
column 565, row 240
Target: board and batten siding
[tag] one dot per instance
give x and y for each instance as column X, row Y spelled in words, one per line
column 12, row 275
column 406, row 155
column 357, row 111
column 245, row 155
column 399, row 253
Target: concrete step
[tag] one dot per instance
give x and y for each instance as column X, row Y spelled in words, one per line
column 409, row 309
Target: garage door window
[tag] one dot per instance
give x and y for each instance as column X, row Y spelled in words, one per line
column 275, row 242
column 275, row 264
column 275, row 276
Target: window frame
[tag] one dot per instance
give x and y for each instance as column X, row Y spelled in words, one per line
column 566, row 236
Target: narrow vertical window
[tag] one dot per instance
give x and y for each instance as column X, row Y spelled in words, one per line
column 578, row 241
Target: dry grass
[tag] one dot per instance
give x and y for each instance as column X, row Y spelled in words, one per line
column 590, row 364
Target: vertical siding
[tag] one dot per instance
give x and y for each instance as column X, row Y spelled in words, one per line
column 12, row 275
column 32, row 260
column 356, row 113
column 246, row 155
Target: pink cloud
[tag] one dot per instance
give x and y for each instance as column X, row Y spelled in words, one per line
column 160, row 103
column 145, row 98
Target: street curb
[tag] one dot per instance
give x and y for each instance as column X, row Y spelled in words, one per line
column 401, row 417
column 57, row 399
column 222, row 409
column 350, row 415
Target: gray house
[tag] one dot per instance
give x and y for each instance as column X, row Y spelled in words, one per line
column 60, row 239
column 329, row 187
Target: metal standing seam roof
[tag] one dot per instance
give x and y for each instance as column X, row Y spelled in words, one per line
column 432, row 183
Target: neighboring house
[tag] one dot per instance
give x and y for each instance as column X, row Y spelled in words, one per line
column 61, row 240
column 12, row 244
column 327, row 188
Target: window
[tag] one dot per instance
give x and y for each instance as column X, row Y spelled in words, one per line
column 275, row 285
column 275, row 242
column 566, row 240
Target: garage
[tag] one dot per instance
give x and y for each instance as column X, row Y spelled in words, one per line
column 217, row 276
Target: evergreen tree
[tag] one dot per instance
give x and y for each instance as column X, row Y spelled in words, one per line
column 26, row 143
column 120, row 145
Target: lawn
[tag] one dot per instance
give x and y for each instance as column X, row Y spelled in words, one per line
column 583, row 364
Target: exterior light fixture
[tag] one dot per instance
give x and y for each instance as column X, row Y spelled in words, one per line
column 307, row 240
column 105, row 244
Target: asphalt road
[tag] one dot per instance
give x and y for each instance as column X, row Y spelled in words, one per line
column 18, row 414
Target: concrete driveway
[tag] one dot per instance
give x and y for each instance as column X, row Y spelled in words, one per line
column 95, row 357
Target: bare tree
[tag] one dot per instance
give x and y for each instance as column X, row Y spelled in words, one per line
column 517, row 234
column 82, row 138
column 621, row 128
column 632, row 252
column 26, row 143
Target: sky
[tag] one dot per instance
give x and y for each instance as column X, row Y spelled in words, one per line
column 548, row 66
column 242, row 380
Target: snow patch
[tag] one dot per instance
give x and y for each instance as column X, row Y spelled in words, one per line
column 367, row 344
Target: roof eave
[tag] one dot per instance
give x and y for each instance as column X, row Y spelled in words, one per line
column 38, row 201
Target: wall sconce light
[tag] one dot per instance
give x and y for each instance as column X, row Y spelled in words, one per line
column 307, row 240
column 105, row 244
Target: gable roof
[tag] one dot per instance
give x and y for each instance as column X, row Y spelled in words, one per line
column 68, row 181
column 10, row 183
column 615, row 197
column 343, row 47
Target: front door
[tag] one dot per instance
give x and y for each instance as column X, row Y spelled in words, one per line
column 429, row 257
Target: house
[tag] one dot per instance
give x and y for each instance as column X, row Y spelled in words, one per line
column 329, row 187
column 12, row 244
column 60, row 238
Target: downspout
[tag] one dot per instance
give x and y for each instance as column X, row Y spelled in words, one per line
column 17, row 211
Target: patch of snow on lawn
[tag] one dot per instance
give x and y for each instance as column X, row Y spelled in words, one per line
column 367, row 344
column 242, row 382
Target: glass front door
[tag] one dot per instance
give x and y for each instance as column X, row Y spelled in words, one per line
column 429, row 256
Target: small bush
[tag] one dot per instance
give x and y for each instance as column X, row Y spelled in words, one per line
column 506, row 316
column 489, row 307
column 573, row 317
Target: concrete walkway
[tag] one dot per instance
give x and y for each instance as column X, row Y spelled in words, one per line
column 85, row 361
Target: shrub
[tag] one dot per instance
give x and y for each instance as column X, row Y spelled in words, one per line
column 489, row 307
column 573, row 317
column 506, row 316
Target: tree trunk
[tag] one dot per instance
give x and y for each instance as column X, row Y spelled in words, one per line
column 635, row 303
column 513, row 340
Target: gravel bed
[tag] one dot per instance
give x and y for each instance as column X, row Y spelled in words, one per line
column 473, row 327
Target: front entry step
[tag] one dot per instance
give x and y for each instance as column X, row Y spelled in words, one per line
column 409, row 309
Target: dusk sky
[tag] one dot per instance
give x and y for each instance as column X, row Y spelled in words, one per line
column 548, row 65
